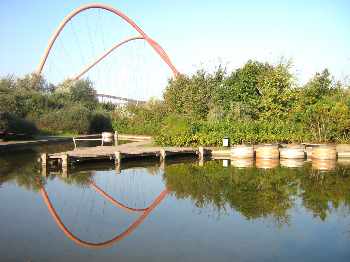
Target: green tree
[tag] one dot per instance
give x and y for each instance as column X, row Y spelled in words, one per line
column 239, row 93
column 193, row 95
column 79, row 91
column 276, row 88
column 320, row 85
column 32, row 82
column 328, row 119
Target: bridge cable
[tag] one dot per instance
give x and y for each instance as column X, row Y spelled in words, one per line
column 97, row 71
column 57, row 68
column 65, row 52
column 77, row 42
column 99, row 28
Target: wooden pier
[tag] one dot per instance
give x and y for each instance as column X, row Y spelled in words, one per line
column 142, row 148
column 134, row 150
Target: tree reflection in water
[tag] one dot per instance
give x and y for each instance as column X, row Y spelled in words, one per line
column 260, row 193
column 253, row 192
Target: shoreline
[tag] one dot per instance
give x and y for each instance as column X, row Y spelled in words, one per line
column 20, row 145
column 47, row 140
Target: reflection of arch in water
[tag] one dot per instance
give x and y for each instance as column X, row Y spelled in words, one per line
column 129, row 230
column 115, row 202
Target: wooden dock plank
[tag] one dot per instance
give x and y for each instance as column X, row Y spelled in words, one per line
column 130, row 150
column 140, row 148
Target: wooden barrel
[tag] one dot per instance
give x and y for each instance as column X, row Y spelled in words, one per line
column 242, row 151
column 292, row 163
column 242, row 162
column 267, row 152
column 344, row 162
column 266, row 163
column 107, row 137
column 324, row 152
column 343, row 147
column 324, row 164
column 294, row 152
column 343, row 150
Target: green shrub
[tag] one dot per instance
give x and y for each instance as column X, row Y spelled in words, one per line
column 192, row 96
column 328, row 120
column 142, row 119
column 13, row 124
column 74, row 119
column 256, row 103
column 180, row 132
column 80, row 91
column 176, row 130
column 100, row 121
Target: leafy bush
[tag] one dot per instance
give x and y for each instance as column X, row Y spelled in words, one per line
column 74, row 119
column 11, row 123
column 100, row 122
column 211, row 133
column 328, row 120
column 142, row 119
column 176, row 130
column 72, row 107
column 192, row 96
column 80, row 91
column 258, row 102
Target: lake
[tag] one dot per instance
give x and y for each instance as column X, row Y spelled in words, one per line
column 181, row 211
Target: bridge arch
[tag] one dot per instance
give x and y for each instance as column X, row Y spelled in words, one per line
column 157, row 48
column 104, row 55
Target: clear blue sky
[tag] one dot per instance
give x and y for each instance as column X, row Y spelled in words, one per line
column 196, row 33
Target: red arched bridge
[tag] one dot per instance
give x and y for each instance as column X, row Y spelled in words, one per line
column 141, row 35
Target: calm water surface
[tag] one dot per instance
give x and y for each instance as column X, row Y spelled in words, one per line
column 180, row 211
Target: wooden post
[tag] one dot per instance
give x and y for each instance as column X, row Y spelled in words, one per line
column 162, row 164
column 117, row 157
column 65, row 170
column 225, row 162
column 201, row 153
column 65, row 165
column 117, row 168
column 44, row 159
column 65, row 160
column 115, row 138
column 44, row 171
column 201, row 162
column 162, row 154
